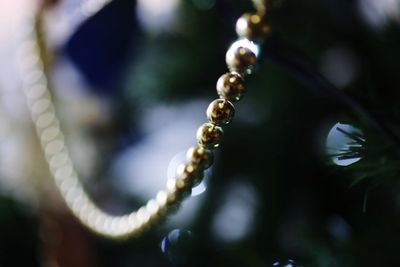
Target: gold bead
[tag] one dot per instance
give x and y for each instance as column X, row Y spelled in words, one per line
column 188, row 174
column 241, row 59
column 252, row 26
column 220, row 112
column 200, row 156
column 209, row 135
column 231, row 86
column 178, row 189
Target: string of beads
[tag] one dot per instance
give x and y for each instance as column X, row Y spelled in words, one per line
column 241, row 59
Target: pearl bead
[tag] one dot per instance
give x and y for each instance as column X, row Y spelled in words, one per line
column 241, row 59
column 252, row 26
column 200, row 156
column 177, row 190
column 220, row 112
column 231, row 86
column 188, row 175
column 209, row 135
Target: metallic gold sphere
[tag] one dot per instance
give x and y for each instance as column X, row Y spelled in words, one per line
column 220, row 112
column 209, row 135
column 252, row 26
column 241, row 59
column 231, row 86
column 200, row 156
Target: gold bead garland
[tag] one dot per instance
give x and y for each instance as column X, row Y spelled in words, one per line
column 241, row 61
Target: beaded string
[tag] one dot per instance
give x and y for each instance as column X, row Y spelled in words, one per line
column 241, row 58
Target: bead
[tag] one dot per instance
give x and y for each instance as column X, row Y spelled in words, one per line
column 162, row 198
column 200, row 156
column 231, row 86
column 177, row 190
column 241, row 58
column 189, row 175
column 252, row 26
column 220, row 112
column 209, row 135
column 152, row 207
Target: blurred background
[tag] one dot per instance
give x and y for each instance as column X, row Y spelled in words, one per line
column 308, row 174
